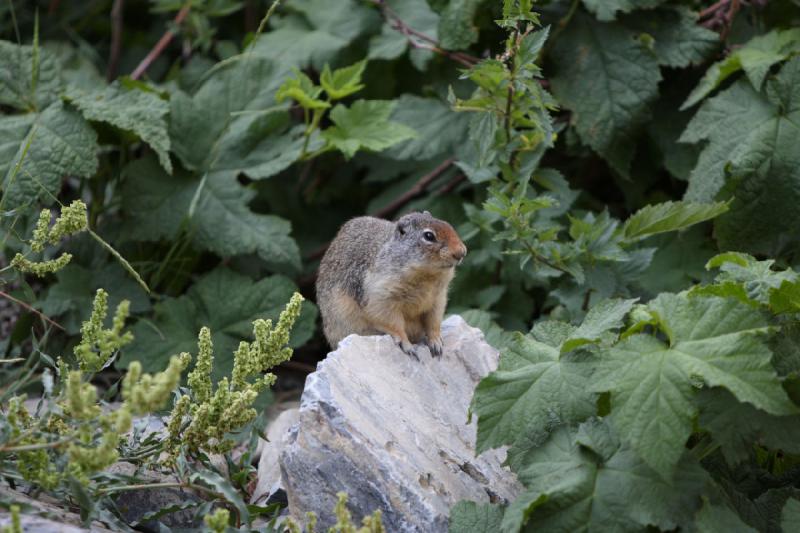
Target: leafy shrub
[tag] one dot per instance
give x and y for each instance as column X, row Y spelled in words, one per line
column 595, row 157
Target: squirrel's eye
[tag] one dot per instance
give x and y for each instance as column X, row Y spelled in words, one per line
column 429, row 236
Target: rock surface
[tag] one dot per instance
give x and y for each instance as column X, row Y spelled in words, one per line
column 269, row 486
column 42, row 514
column 392, row 432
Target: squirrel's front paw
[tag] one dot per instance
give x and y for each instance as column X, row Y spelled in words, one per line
column 408, row 348
column 436, row 346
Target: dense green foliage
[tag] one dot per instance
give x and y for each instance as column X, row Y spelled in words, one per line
column 623, row 172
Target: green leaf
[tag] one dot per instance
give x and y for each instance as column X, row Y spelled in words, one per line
column 496, row 336
column 471, row 517
column 751, row 138
column 736, row 426
column 571, row 487
column 52, row 144
column 301, row 89
column 756, row 278
column 224, row 301
column 541, row 390
column 786, row 298
column 669, row 216
column 365, row 125
column 231, row 124
column 133, row 109
column 790, row 516
column 456, row 28
column 27, row 84
column 679, row 41
column 601, row 318
column 344, row 81
column 440, row 130
column 720, row 519
column 622, row 77
column 223, row 486
column 157, row 205
column 607, row 9
column 315, row 32
column 652, row 383
column 755, row 58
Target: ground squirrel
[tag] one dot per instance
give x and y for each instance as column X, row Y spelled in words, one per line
column 389, row 277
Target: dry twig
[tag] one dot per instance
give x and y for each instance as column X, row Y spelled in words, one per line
column 161, row 44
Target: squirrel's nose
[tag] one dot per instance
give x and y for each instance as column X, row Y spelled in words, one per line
column 460, row 253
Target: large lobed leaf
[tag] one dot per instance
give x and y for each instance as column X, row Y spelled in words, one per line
column 608, row 79
column 45, row 146
column 541, row 390
column 607, row 9
column 752, row 138
column 216, row 210
column 587, row 481
column 224, row 301
column 30, row 79
column 652, row 383
column 132, row 108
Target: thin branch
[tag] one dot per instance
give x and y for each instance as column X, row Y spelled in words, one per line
column 417, row 189
column 712, row 9
column 161, row 44
column 116, row 39
column 420, row 40
column 32, row 310
column 450, row 185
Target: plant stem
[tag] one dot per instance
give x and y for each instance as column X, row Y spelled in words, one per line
column 32, row 447
column 161, row 44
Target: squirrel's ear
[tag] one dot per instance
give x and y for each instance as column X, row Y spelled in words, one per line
column 402, row 227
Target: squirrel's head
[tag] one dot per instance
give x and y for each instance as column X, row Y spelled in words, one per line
column 438, row 242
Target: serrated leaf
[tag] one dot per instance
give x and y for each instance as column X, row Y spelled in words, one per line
column 315, row 32
column 756, row 278
column 224, row 301
column 365, row 125
column 679, row 41
column 755, row 57
column 601, row 318
column 720, row 519
column 542, row 390
column 651, row 383
column 471, row 517
column 24, row 83
column 607, row 9
column 157, row 205
column 751, row 139
column 623, row 76
column 130, row 109
column 439, row 129
column 737, row 426
column 669, row 216
column 344, row 81
column 786, row 298
column 456, row 28
column 231, row 123
column 301, row 89
column 572, row 489
column 54, row 143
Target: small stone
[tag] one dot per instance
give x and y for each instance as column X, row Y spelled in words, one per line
column 392, row 433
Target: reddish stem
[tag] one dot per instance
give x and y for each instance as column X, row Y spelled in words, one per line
column 161, row 44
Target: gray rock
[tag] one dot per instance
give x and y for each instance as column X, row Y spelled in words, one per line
column 269, row 485
column 392, row 433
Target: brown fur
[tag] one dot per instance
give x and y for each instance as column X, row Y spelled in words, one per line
column 383, row 277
